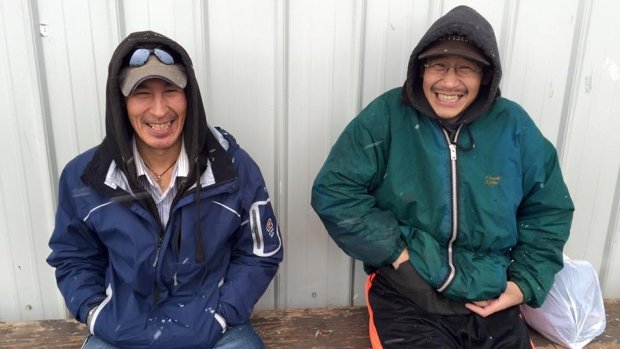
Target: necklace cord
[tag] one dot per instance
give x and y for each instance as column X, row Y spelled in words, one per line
column 159, row 174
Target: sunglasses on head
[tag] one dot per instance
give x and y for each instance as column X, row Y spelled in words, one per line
column 141, row 55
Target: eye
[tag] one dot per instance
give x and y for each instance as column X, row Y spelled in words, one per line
column 140, row 92
column 438, row 67
column 172, row 90
column 465, row 69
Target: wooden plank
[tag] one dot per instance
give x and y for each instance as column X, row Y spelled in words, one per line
column 51, row 334
column 344, row 327
column 318, row 328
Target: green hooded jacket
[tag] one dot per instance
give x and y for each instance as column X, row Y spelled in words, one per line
column 476, row 206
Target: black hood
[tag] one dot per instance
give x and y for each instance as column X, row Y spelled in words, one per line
column 201, row 144
column 116, row 145
column 461, row 20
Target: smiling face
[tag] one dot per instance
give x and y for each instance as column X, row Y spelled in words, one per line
column 449, row 93
column 157, row 112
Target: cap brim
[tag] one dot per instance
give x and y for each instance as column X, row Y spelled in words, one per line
column 131, row 77
column 444, row 48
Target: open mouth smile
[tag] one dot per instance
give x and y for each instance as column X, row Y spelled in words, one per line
column 160, row 126
column 448, row 97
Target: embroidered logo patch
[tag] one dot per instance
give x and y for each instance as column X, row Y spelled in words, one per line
column 269, row 227
column 492, row 181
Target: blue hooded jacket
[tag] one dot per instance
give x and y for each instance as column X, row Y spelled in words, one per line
column 178, row 286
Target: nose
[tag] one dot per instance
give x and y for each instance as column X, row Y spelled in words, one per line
column 450, row 78
column 159, row 107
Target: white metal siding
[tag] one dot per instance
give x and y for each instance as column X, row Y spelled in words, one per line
column 27, row 286
column 285, row 77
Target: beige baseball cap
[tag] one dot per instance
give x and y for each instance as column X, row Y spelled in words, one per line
column 131, row 77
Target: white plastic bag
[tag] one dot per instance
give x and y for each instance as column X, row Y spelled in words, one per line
column 573, row 313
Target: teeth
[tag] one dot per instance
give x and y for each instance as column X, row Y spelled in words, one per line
column 449, row 98
column 162, row 126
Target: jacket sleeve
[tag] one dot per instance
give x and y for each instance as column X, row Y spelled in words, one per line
column 77, row 253
column 342, row 191
column 257, row 247
column 543, row 219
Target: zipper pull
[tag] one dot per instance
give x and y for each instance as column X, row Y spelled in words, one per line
column 157, row 255
column 452, row 147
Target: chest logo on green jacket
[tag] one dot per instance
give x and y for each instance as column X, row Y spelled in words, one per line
column 492, row 181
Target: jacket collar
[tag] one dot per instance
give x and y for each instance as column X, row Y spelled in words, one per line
column 116, row 179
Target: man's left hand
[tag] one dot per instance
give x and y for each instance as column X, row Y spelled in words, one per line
column 511, row 297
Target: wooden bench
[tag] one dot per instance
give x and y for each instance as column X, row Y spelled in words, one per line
column 343, row 327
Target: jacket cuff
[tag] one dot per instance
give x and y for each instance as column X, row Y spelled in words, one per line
column 82, row 315
column 222, row 321
column 528, row 297
column 229, row 314
column 397, row 252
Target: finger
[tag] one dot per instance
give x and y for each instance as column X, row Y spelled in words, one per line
column 482, row 311
column 492, row 307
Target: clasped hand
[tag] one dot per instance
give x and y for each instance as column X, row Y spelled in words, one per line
column 512, row 295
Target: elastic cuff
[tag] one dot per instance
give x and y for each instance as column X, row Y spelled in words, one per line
column 82, row 314
column 527, row 294
column 220, row 319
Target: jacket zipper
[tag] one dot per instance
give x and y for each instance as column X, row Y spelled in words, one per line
column 155, row 287
column 455, row 207
column 161, row 236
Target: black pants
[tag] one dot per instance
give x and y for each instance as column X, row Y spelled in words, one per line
column 400, row 322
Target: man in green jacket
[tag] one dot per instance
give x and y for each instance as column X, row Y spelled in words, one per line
column 451, row 197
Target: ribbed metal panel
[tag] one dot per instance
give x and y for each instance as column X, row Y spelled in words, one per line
column 27, row 286
column 285, row 77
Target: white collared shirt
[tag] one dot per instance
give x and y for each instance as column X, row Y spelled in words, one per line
column 163, row 200
column 116, row 179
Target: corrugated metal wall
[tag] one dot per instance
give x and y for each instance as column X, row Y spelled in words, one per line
column 285, row 77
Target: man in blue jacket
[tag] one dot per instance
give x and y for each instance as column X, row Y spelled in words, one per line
column 165, row 235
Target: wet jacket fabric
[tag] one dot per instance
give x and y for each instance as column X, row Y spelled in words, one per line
column 387, row 184
column 475, row 206
column 177, row 286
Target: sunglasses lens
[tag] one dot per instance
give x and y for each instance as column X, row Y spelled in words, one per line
column 139, row 57
column 163, row 56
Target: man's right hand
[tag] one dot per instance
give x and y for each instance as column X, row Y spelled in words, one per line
column 404, row 256
column 403, row 278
